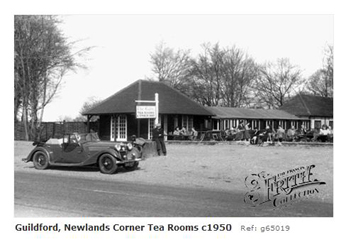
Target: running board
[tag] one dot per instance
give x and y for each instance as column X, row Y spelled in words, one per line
column 83, row 164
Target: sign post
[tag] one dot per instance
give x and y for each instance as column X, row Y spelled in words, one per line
column 149, row 110
column 157, row 108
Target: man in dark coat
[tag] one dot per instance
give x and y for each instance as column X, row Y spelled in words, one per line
column 158, row 137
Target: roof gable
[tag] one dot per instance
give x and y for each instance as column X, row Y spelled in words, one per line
column 171, row 101
column 309, row 105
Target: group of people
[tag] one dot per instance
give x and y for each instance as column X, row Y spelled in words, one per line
column 244, row 133
column 241, row 132
column 321, row 134
column 269, row 134
column 324, row 133
column 192, row 135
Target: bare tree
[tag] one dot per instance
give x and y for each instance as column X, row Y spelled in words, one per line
column 206, row 75
column 170, row 65
column 222, row 76
column 276, row 82
column 42, row 58
column 240, row 71
column 321, row 82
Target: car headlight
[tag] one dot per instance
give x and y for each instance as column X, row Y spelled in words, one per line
column 117, row 147
column 129, row 146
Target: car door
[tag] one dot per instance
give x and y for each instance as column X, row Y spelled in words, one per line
column 56, row 152
column 72, row 150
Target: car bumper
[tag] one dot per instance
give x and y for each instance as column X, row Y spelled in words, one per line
column 133, row 160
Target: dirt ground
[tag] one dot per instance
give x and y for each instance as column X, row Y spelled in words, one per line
column 221, row 167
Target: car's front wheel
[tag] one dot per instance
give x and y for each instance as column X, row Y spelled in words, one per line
column 132, row 166
column 40, row 160
column 108, row 164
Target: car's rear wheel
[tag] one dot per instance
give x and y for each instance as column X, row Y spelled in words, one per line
column 108, row 164
column 40, row 160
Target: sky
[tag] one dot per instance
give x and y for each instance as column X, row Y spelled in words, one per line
column 123, row 44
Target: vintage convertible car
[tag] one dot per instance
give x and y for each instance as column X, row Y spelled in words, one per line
column 84, row 150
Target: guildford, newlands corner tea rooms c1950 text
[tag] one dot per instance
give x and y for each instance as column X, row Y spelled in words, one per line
column 40, row 227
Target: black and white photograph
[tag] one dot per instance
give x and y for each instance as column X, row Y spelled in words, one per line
column 189, row 123
column 222, row 124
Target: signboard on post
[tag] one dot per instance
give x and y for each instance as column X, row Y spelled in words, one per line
column 145, row 111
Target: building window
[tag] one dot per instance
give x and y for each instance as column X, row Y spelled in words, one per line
column 293, row 124
column 317, row 124
column 185, row 122
column 176, row 121
column 122, row 127
column 215, row 124
column 150, row 126
column 113, row 132
column 190, row 123
column 331, row 124
column 118, row 128
column 206, row 124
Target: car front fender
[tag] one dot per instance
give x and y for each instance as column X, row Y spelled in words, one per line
column 94, row 158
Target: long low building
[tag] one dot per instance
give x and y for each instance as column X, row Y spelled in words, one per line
column 228, row 117
column 119, row 119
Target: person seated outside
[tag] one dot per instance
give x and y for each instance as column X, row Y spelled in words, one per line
column 291, row 133
column 234, row 130
column 194, row 134
column 316, row 133
column 240, row 131
column 270, row 133
column 266, row 135
column 255, row 137
column 280, row 133
column 262, row 136
column 183, row 131
column 230, row 133
column 176, row 133
column 227, row 132
column 303, row 130
column 74, row 138
column 330, row 130
column 323, row 135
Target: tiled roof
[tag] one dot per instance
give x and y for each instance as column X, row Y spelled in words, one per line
column 244, row 113
column 309, row 105
column 171, row 101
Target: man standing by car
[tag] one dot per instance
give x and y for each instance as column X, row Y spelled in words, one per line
column 158, row 137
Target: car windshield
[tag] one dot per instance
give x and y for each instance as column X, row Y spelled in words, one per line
column 85, row 137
